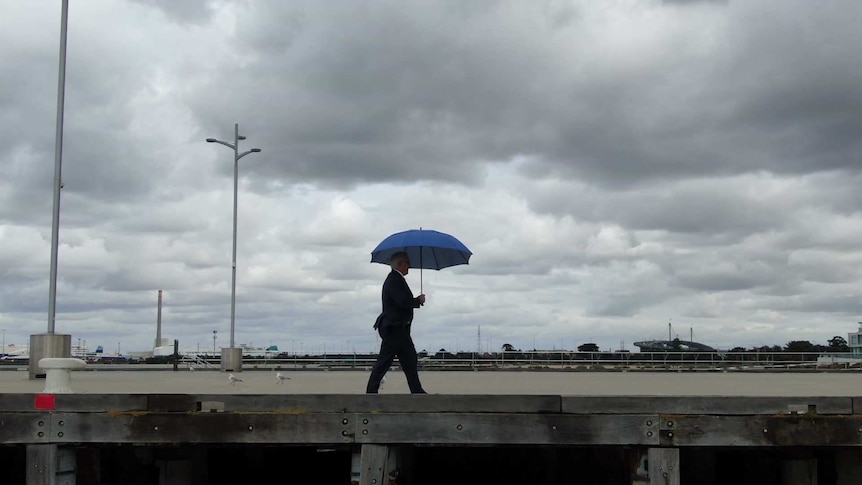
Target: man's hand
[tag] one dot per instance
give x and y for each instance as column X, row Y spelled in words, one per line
column 422, row 299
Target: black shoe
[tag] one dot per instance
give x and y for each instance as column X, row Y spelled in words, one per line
column 420, row 392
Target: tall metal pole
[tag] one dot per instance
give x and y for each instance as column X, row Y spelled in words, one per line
column 236, row 156
column 232, row 357
column 233, row 264
column 158, row 342
column 58, row 164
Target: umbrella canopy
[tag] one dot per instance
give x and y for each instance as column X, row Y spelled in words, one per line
column 426, row 249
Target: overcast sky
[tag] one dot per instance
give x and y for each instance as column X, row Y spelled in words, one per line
column 613, row 165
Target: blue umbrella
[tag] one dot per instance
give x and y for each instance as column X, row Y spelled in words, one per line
column 426, row 249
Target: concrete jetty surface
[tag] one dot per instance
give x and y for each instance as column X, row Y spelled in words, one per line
column 593, row 383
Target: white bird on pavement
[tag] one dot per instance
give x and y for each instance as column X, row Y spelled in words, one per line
column 281, row 377
column 191, row 367
column 233, row 379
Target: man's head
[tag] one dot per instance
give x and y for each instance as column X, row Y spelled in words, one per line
column 400, row 262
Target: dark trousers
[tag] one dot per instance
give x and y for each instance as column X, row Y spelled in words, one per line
column 396, row 343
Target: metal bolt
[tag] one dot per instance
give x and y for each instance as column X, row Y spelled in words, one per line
column 765, row 430
column 670, row 424
column 60, row 422
column 344, row 432
column 251, row 428
column 41, row 423
column 364, row 421
column 669, row 434
column 155, row 428
column 649, row 422
column 60, row 434
column 649, row 434
column 364, row 431
column 459, row 427
column 554, row 428
column 344, row 421
column 40, row 434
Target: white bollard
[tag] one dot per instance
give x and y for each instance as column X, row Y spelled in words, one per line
column 57, row 375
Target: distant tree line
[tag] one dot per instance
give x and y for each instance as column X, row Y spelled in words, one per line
column 786, row 352
column 835, row 344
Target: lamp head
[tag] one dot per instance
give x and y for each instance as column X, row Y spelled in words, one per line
column 242, row 137
column 255, row 150
column 211, row 140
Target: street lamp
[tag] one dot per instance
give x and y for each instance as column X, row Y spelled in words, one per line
column 236, row 156
column 50, row 344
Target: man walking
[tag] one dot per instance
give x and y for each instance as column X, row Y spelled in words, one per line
column 394, row 327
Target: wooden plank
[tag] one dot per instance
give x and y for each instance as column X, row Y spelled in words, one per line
column 377, row 462
column 504, row 429
column 21, row 428
column 360, row 403
column 664, row 466
column 41, row 464
column 431, row 428
column 17, row 402
column 786, row 430
column 76, row 402
column 152, row 428
column 719, row 405
column 450, row 429
column 94, row 403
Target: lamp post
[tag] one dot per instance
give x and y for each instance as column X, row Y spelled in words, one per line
column 232, row 362
column 50, row 344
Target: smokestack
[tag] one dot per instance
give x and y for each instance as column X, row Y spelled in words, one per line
column 159, row 323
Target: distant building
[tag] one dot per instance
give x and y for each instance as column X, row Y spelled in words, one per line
column 675, row 345
column 854, row 341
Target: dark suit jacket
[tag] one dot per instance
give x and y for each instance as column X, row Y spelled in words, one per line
column 398, row 301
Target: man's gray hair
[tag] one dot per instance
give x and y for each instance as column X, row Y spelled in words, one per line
column 397, row 258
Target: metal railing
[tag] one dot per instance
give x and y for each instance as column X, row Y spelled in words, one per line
column 574, row 361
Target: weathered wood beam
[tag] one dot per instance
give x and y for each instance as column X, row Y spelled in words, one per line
column 41, row 464
column 664, row 466
column 487, row 429
column 778, row 430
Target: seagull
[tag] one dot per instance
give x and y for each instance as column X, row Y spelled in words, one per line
column 281, row 377
column 191, row 367
column 233, row 379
